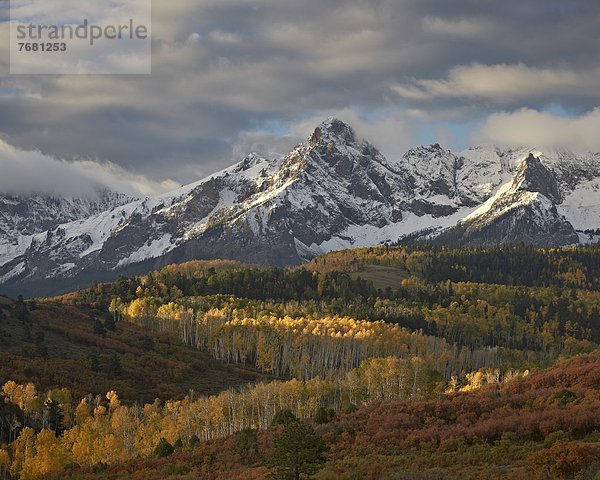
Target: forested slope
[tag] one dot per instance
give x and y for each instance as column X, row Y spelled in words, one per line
column 440, row 355
column 544, row 426
column 55, row 344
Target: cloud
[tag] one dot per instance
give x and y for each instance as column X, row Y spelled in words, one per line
column 226, row 71
column 540, row 129
column 266, row 144
column 104, row 56
column 505, row 83
column 32, row 172
column 461, row 27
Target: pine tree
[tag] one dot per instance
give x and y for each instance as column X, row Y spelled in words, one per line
column 322, row 416
column 110, row 323
column 163, row 449
column 283, row 417
column 40, row 345
column 297, row 451
column 115, row 368
column 94, row 364
column 55, row 416
column 21, row 311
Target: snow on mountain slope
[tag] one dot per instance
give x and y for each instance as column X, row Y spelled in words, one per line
column 522, row 210
column 23, row 216
column 581, row 206
column 29, row 214
column 483, row 169
column 146, row 228
column 334, row 191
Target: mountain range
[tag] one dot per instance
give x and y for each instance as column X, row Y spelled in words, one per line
column 332, row 192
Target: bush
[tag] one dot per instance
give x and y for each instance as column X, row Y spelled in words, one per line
column 99, row 328
column 564, row 397
column 176, row 469
column 163, row 449
column 194, row 441
column 566, row 460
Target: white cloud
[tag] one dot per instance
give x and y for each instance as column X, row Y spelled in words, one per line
column 533, row 128
column 504, row 83
column 461, row 28
column 104, row 56
column 268, row 145
column 33, row 172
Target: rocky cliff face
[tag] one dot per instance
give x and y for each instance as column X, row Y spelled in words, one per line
column 30, row 214
column 523, row 210
column 22, row 216
column 334, row 191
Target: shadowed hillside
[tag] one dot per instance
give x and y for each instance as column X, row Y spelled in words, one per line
column 54, row 344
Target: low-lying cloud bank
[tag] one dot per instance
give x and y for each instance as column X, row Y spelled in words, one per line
column 32, row 172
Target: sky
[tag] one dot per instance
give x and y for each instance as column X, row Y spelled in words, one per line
column 234, row 76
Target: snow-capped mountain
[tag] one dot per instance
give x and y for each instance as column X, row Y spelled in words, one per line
column 523, row 210
column 22, row 216
column 334, row 191
column 29, row 214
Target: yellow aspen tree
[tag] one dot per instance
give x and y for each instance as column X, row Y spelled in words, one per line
column 82, row 438
column 50, row 456
column 4, row 464
column 23, row 450
column 82, row 412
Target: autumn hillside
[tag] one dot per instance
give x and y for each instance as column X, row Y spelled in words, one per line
column 545, row 426
column 54, row 344
column 385, row 363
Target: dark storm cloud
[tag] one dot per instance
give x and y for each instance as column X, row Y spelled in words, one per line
column 224, row 70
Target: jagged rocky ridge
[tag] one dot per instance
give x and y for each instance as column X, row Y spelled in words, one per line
column 334, row 191
column 36, row 213
column 523, row 210
column 22, row 216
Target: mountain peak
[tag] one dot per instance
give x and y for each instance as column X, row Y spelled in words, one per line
column 333, row 129
column 533, row 176
column 423, row 151
column 251, row 160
